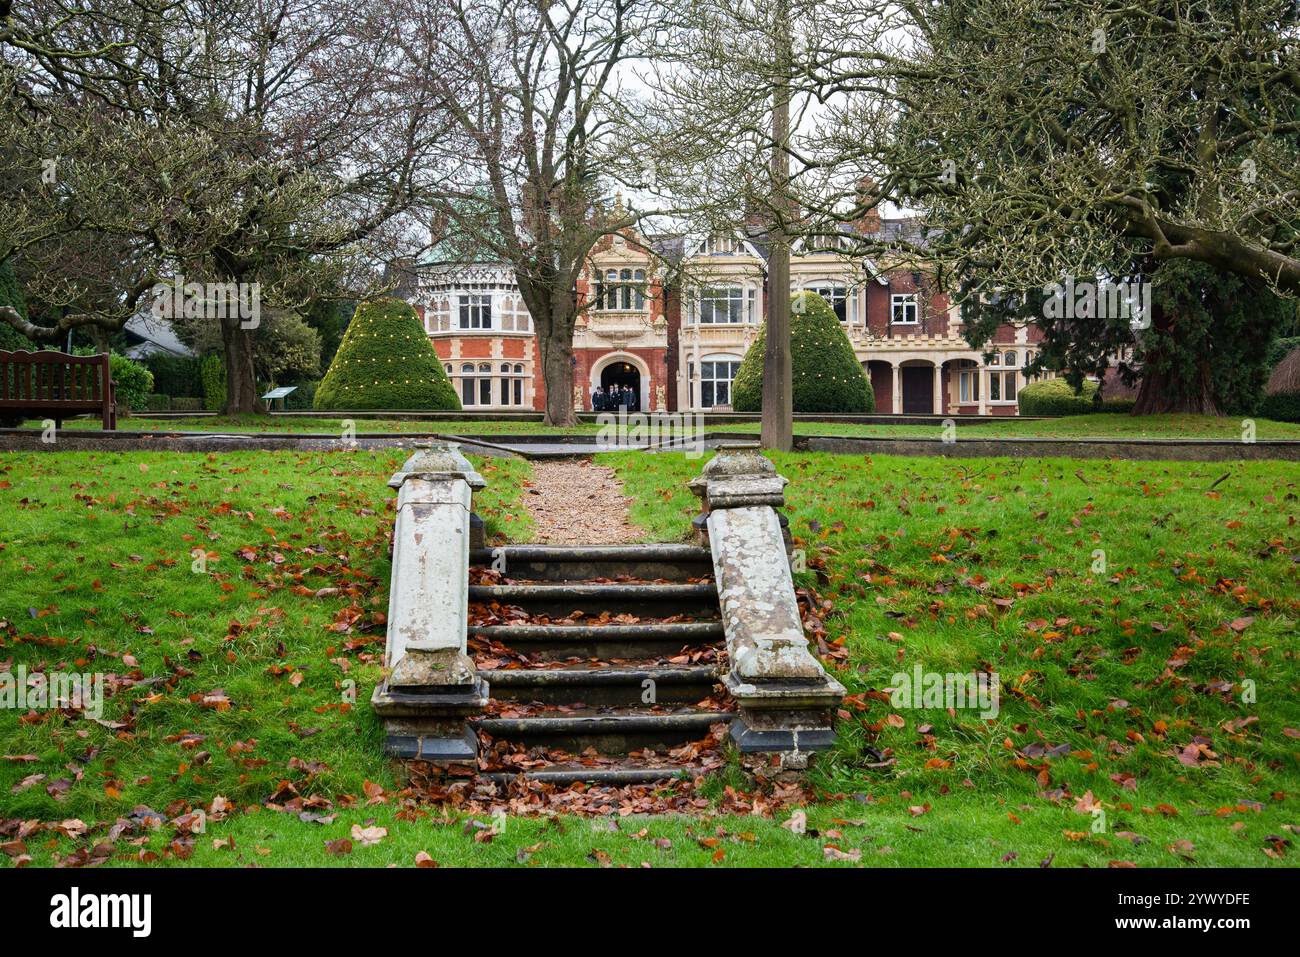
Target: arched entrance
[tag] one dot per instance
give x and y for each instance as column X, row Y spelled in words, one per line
column 621, row 375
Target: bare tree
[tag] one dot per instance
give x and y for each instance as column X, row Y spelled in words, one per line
column 532, row 88
column 728, row 119
column 270, row 145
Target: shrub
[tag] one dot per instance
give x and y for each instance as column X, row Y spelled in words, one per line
column 826, row 374
column 1281, row 407
column 186, row 403
column 213, row 373
column 157, row 402
column 386, row 361
column 175, row 375
column 1057, row 397
column 1282, row 398
column 132, row 382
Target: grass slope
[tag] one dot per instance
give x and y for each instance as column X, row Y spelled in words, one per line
column 928, row 561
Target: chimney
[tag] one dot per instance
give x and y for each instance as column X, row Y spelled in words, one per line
column 868, row 223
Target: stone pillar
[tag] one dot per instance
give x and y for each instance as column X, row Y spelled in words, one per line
column 938, row 388
column 431, row 683
column 896, row 384
column 982, row 378
column 786, row 698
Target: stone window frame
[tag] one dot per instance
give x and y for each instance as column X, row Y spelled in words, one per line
column 712, row 360
column 620, row 289
column 740, row 300
column 473, row 306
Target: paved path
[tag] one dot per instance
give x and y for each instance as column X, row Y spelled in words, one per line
column 573, row 502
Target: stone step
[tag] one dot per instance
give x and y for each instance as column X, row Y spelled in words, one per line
column 562, row 600
column 615, row 776
column 649, row 640
column 608, row 731
column 584, row 562
column 620, row 685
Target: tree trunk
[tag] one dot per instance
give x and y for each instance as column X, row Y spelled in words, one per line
column 241, row 381
column 1164, row 389
column 777, row 431
column 1162, row 392
column 555, row 351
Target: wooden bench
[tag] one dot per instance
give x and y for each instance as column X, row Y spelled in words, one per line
column 56, row 385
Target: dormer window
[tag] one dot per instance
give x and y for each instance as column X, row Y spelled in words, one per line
column 722, row 246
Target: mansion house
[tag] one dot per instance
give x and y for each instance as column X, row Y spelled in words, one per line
column 679, row 344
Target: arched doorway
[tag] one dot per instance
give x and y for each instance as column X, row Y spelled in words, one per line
column 620, row 375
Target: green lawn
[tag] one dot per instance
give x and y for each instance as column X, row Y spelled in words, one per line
column 235, row 680
column 1067, row 427
column 1108, row 675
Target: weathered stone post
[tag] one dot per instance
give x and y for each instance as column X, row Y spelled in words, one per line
column 431, row 684
column 786, row 698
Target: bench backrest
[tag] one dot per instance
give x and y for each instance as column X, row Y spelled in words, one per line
column 47, row 377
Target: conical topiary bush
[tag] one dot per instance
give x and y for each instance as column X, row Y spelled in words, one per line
column 827, row 376
column 386, row 361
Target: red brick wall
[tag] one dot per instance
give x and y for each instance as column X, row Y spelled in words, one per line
column 935, row 309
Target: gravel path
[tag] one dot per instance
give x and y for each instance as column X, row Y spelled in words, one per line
column 576, row 503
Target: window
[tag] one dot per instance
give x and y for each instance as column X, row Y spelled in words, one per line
column 968, row 386
column 1002, row 386
column 505, row 383
column 722, row 246
column 1009, row 359
column 484, row 384
column 519, row 384
column 827, row 242
column 621, row 289
column 475, row 311
column 902, row 309
column 440, row 314
column 514, row 314
column 716, row 375
column 718, row 306
column 467, row 388
column 837, row 296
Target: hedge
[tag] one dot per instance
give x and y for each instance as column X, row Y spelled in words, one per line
column 213, row 373
column 827, row 376
column 386, row 361
column 1057, row 397
column 1281, row 407
column 175, row 375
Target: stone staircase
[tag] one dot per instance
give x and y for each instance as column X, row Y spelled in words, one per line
column 598, row 664
column 603, row 662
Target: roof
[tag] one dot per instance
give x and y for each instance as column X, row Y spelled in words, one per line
column 155, row 334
